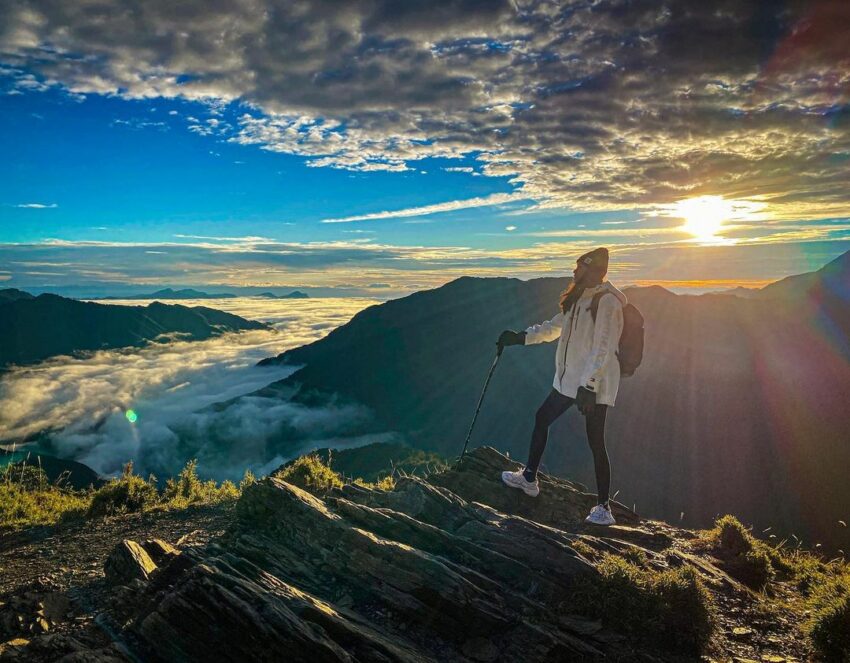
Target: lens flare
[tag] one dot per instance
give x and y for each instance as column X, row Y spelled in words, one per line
column 708, row 219
column 131, row 415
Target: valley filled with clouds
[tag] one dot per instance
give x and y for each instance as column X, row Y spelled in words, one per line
column 173, row 389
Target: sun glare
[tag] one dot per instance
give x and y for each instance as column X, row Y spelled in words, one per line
column 704, row 216
column 708, row 219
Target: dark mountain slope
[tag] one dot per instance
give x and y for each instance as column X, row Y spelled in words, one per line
column 13, row 294
column 737, row 399
column 40, row 327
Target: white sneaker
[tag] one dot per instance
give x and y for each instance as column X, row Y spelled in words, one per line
column 517, row 480
column 600, row 515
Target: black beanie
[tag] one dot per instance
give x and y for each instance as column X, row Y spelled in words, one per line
column 596, row 260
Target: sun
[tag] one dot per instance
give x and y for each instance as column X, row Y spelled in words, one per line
column 704, row 216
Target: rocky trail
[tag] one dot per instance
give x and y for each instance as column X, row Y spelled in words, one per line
column 451, row 567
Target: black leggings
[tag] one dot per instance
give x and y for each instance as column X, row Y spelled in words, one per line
column 553, row 407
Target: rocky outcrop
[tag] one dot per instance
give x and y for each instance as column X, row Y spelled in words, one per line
column 451, row 567
column 128, row 561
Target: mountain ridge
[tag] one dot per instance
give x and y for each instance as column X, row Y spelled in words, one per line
column 730, row 388
column 35, row 328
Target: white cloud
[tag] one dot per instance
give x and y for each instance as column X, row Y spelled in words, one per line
column 588, row 126
column 37, row 205
column 170, row 387
column 425, row 210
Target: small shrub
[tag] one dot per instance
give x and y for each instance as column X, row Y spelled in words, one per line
column 635, row 556
column 806, row 570
column 22, row 507
column 670, row 608
column 732, row 536
column 829, row 623
column 28, row 477
column 188, row 489
column 310, row 473
column 745, row 557
column 387, row 483
column 127, row 494
column 247, row 480
column 584, row 549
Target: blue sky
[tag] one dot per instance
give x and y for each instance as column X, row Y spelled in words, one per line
column 393, row 151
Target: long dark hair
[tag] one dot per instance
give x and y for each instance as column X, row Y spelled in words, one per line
column 574, row 290
column 570, row 296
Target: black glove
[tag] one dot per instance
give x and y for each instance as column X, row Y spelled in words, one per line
column 586, row 400
column 509, row 337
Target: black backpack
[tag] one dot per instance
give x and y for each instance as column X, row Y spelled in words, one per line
column 630, row 352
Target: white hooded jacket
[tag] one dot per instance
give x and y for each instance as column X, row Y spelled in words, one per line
column 586, row 355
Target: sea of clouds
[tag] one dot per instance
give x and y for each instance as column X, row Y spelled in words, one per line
column 192, row 399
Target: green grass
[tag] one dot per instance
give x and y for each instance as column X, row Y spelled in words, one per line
column 27, row 499
column 187, row 489
column 314, row 475
column 668, row 608
column 744, row 557
column 823, row 586
column 127, row 494
column 828, row 625
column 374, row 462
column 22, row 507
column 311, row 474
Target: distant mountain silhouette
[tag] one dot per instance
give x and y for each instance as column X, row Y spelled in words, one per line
column 190, row 293
column 185, row 293
column 35, row 328
column 739, row 291
column 57, row 470
column 13, row 294
column 295, row 294
column 740, row 405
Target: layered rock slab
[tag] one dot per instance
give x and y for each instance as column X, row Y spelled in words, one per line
column 436, row 569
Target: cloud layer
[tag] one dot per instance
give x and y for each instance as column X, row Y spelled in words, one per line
column 587, row 105
column 171, row 388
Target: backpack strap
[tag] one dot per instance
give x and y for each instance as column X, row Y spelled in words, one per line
column 594, row 303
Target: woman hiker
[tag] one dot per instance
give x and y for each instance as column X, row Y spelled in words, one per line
column 586, row 371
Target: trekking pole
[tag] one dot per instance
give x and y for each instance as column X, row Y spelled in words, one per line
column 480, row 400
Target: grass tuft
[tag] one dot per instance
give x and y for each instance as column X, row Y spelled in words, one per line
column 28, row 499
column 311, row 474
column 744, row 557
column 127, row 494
column 829, row 623
column 670, row 608
column 187, row 489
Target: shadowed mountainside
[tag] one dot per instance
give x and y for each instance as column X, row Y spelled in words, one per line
column 35, row 328
column 737, row 399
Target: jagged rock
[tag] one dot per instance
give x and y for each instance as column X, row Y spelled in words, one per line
column 561, row 503
column 61, row 648
column 36, row 609
column 127, row 562
column 449, row 568
column 161, row 552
